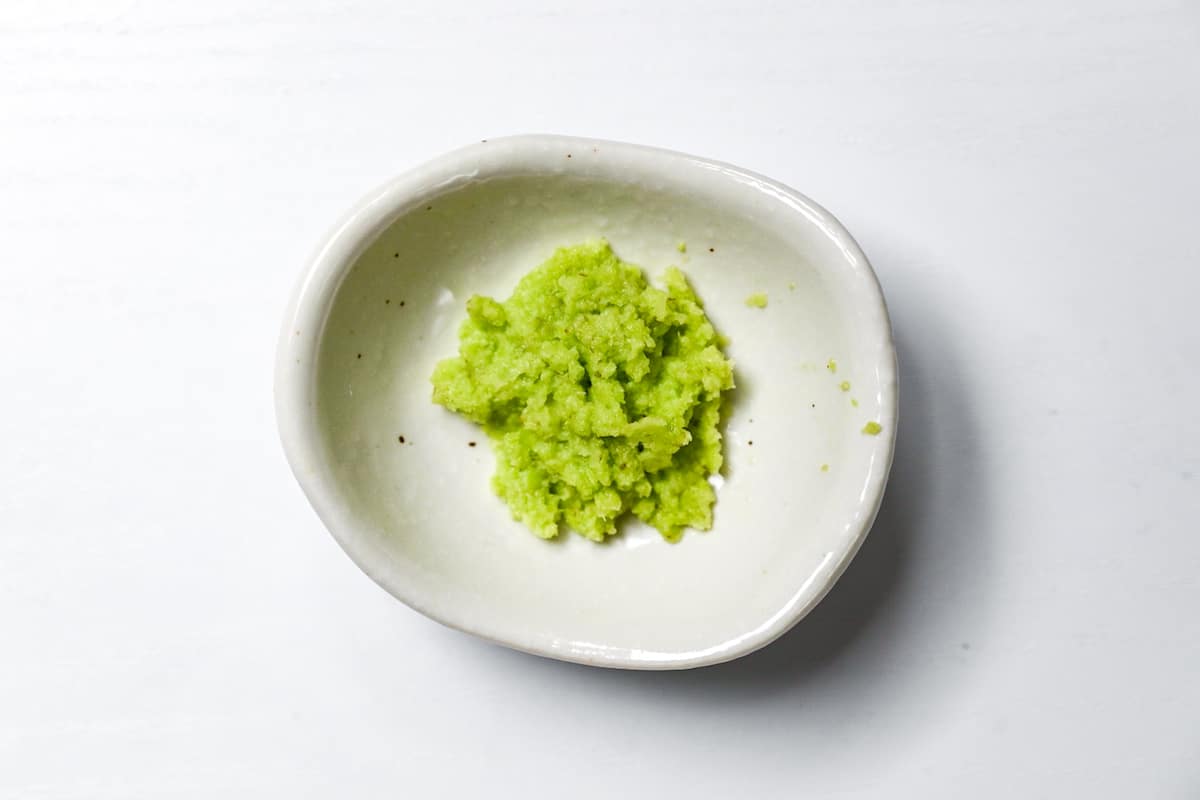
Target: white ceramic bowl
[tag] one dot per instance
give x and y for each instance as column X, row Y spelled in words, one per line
column 381, row 304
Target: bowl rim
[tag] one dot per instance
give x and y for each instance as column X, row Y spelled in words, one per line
column 312, row 299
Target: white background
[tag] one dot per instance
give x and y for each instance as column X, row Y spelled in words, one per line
column 174, row 620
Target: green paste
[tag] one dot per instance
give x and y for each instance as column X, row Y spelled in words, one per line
column 757, row 300
column 872, row 428
column 601, row 394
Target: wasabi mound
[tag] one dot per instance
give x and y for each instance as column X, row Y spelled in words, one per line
column 601, row 395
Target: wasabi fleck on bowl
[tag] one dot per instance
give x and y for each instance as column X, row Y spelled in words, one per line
column 399, row 485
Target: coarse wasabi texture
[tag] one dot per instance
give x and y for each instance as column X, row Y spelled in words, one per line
column 872, row 428
column 601, row 394
column 757, row 300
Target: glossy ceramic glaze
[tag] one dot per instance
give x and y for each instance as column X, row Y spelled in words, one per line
column 398, row 484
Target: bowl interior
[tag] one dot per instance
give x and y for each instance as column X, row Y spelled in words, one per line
column 417, row 493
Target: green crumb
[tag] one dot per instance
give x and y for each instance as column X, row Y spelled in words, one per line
column 824, row 468
column 845, row 386
column 601, row 394
column 854, row 402
column 757, row 300
column 681, row 247
column 831, row 366
column 872, row 428
column 791, row 286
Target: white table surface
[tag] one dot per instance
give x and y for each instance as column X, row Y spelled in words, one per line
column 174, row 620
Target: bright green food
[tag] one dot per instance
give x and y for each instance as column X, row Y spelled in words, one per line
column 601, row 394
column 872, row 428
column 757, row 300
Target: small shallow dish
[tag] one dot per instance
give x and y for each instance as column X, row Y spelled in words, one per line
column 400, row 486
